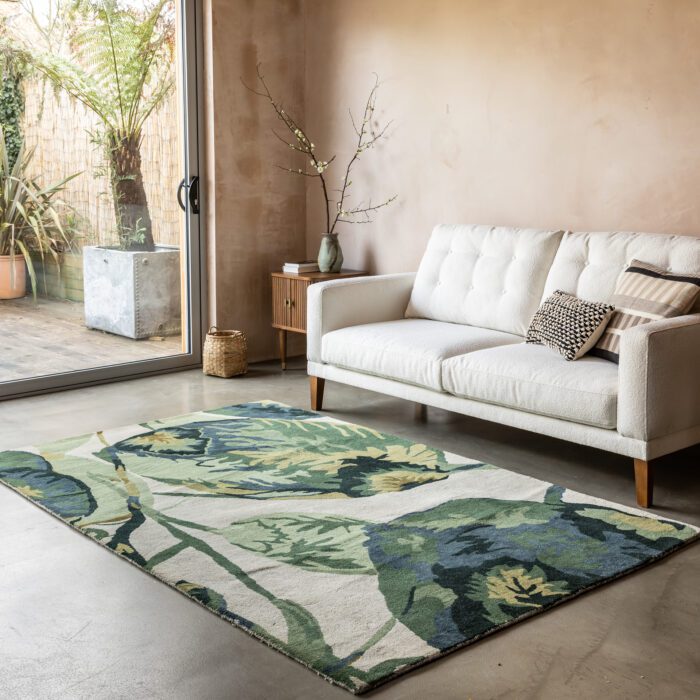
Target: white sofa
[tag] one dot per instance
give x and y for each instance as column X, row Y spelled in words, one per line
column 452, row 336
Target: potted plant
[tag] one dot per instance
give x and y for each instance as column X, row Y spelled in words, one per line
column 29, row 222
column 330, row 255
column 117, row 61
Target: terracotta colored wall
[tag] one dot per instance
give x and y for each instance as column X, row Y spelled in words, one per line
column 550, row 113
column 255, row 212
column 542, row 113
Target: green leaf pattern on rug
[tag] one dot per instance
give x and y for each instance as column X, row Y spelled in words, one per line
column 334, row 543
column 452, row 572
column 35, row 478
column 504, row 587
column 317, row 543
column 266, row 457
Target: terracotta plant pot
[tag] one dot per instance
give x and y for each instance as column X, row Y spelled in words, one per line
column 13, row 283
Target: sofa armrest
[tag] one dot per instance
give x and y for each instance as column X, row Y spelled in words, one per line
column 659, row 390
column 352, row 302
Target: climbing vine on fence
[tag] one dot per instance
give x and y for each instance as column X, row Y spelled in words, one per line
column 13, row 70
column 11, row 110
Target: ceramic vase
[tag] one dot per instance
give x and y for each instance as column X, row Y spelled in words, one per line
column 330, row 254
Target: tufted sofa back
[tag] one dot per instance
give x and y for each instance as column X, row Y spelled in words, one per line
column 588, row 264
column 487, row 276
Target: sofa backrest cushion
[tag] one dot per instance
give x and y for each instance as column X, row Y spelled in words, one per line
column 487, row 276
column 588, row 264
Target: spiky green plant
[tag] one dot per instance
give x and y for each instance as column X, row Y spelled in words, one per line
column 117, row 60
column 29, row 213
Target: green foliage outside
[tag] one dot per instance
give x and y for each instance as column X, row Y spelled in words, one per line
column 116, row 59
column 30, row 218
column 12, row 73
column 11, row 110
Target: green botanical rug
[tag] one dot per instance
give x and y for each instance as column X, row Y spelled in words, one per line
column 359, row 554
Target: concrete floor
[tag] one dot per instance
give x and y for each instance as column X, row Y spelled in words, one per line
column 76, row 622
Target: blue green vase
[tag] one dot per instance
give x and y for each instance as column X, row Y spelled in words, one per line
column 330, row 254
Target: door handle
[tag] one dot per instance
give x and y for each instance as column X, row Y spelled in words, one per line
column 180, row 187
column 192, row 193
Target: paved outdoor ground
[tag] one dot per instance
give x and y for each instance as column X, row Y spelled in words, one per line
column 49, row 336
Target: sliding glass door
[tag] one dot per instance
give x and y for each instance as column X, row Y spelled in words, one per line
column 100, row 255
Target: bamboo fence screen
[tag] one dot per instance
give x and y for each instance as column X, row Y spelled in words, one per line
column 61, row 130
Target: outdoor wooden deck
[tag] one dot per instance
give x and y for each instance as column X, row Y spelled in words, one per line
column 48, row 337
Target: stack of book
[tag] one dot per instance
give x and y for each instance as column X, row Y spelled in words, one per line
column 298, row 268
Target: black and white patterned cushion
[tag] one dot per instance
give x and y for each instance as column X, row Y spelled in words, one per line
column 569, row 325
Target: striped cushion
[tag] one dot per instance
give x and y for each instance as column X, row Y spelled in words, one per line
column 645, row 293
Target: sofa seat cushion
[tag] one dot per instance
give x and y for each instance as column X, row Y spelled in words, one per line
column 408, row 350
column 535, row 379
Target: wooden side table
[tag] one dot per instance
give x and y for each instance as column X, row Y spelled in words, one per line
column 289, row 302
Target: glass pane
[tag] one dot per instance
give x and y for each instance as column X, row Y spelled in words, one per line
column 93, row 244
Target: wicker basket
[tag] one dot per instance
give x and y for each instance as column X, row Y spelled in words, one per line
column 225, row 353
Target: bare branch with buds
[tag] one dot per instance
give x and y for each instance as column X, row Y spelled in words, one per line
column 367, row 137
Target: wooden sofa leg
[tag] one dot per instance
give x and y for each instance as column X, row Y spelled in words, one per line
column 316, row 385
column 421, row 412
column 644, row 482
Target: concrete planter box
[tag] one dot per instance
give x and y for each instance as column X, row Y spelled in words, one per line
column 132, row 293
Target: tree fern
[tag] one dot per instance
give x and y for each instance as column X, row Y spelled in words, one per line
column 117, row 61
